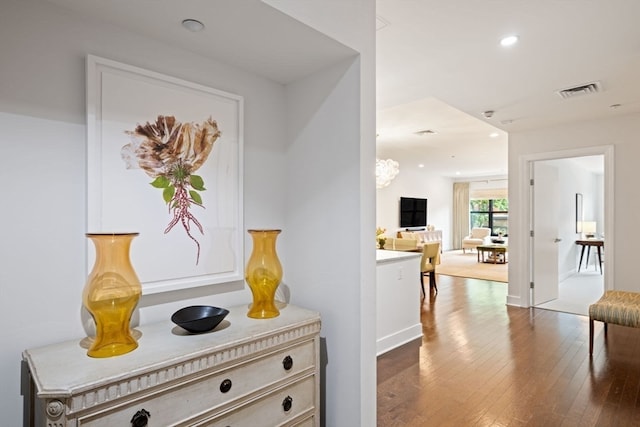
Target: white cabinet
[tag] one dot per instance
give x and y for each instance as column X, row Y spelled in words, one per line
column 247, row 372
column 398, row 299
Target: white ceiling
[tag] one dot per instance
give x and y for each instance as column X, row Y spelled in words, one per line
column 433, row 53
column 461, row 145
column 439, row 64
column 264, row 41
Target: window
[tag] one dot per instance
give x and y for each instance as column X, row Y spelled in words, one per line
column 491, row 213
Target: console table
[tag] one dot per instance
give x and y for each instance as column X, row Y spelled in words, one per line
column 587, row 244
column 246, row 372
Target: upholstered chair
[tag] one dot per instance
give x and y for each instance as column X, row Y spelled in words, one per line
column 430, row 259
column 476, row 238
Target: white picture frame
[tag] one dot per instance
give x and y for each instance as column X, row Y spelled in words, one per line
column 125, row 103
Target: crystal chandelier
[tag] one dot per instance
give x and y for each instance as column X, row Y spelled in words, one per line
column 386, row 170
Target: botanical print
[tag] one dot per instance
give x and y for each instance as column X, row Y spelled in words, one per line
column 170, row 152
column 186, row 140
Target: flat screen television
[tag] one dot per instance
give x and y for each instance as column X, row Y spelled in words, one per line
column 413, row 212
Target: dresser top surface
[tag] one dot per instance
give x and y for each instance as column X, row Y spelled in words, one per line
column 63, row 368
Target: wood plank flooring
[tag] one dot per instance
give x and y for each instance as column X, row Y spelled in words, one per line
column 482, row 363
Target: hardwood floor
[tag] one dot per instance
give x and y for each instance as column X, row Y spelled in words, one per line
column 482, row 363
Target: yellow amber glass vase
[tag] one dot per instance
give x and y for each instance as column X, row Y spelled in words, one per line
column 111, row 294
column 263, row 274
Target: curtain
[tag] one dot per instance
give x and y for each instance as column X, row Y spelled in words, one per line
column 489, row 189
column 460, row 213
column 489, row 193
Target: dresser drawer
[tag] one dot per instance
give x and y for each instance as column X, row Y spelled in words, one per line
column 183, row 401
column 291, row 406
column 307, row 422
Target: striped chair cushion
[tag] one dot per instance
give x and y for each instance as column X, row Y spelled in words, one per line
column 617, row 307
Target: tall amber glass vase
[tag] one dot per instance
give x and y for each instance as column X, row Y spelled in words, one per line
column 263, row 274
column 111, row 294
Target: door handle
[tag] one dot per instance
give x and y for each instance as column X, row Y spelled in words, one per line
column 557, row 240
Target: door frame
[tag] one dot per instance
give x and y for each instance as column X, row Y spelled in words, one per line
column 526, row 213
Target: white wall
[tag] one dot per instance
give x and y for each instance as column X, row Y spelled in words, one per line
column 621, row 133
column 352, row 23
column 325, row 180
column 42, row 156
column 321, row 205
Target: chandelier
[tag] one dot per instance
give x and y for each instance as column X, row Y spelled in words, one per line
column 386, row 170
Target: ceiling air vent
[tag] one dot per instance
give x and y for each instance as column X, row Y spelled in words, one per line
column 586, row 89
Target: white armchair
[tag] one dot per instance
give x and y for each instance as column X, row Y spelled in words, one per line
column 476, row 238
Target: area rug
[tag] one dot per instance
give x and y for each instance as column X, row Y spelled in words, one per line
column 455, row 263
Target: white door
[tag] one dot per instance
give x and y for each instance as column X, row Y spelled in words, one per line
column 546, row 199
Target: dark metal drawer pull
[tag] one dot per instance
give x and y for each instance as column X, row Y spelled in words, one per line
column 140, row 418
column 287, row 363
column 225, row 385
column 287, row 403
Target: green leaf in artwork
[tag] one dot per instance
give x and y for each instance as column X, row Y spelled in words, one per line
column 168, row 193
column 161, row 182
column 195, row 196
column 197, row 182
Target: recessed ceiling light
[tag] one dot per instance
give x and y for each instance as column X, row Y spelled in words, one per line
column 494, row 134
column 193, row 25
column 420, row 165
column 426, row 132
column 509, row 40
column 457, row 172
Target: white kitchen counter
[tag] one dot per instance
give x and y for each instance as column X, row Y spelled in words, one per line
column 383, row 256
column 398, row 299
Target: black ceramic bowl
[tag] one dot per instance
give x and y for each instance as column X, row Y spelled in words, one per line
column 199, row 318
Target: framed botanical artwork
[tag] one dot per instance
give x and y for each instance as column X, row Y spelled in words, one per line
column 164, row 159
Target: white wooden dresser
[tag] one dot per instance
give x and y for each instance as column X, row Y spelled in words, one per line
column 246, row 372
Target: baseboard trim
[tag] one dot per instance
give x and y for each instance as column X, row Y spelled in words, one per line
column 515, row 301
column 399, row 338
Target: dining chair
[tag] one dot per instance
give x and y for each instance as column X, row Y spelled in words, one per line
column 430, row 259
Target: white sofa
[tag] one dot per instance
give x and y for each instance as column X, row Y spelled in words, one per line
column 404, row 242
column 477, row 237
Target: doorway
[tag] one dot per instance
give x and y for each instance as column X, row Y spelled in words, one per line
column 560, row 283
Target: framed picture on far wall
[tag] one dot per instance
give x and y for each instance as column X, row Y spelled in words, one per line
column 165, row 160
column 579, row 218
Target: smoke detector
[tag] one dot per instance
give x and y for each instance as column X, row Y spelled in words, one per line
column 585, row 89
